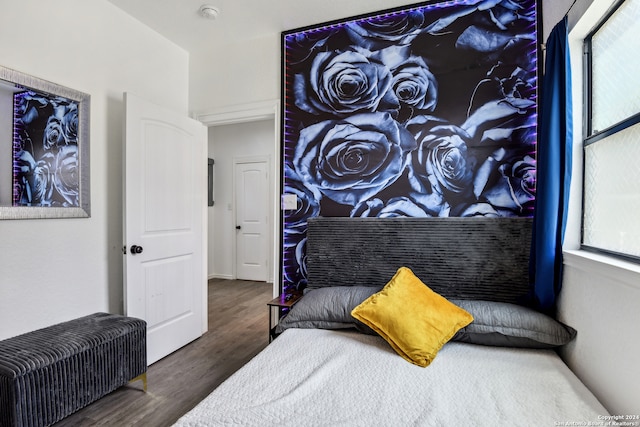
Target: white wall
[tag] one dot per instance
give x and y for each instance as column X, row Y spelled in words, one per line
column 233, row 74
column 600, row 296
column 226, row 144
column 57, row 269
column 601, row 299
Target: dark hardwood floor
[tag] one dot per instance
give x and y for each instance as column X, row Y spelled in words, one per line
column 238, row 330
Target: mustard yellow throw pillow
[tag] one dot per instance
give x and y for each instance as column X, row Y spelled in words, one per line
column 412, row 318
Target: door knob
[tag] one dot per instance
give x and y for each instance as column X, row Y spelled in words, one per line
column 238, row 227
column 135, row 249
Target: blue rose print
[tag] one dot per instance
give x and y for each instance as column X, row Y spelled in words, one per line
column 393, row 208
column 441, row 162
column 343, row 83
column 310, row 42
column 485, row 210
column 415, row 86
column 53, row 134
column 66, row 177
column 426, row 112
column 515, row 98
column 485, row 41
column 501, row 13
column 352, row 159
column 68, row 113
column 34, row 184
column 393, row 30
column 514, row 187
column 295, row 266
column 45, row 151
column 308, row 206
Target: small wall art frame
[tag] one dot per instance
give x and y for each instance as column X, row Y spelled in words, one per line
column 44, row 149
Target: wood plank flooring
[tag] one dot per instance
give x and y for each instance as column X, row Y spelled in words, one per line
column 238, row 330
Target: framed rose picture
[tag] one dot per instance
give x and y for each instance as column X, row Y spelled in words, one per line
column 429, row 110
column 45, row 146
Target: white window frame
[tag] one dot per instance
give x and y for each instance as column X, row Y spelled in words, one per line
column 602, row 136
column 573, row 234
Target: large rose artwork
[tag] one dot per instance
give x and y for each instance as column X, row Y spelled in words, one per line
column 429, row 111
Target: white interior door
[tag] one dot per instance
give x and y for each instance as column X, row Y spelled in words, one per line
column 165, row 207
column 252, row 219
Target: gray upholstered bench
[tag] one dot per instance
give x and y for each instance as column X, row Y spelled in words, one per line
column 50, row 373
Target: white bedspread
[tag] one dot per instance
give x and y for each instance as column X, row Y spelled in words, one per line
column 312, row 377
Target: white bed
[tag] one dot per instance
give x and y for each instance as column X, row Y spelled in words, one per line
column 314, row 377
column 327, row 368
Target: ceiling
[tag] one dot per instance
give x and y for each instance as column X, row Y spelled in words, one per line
column 241, row 20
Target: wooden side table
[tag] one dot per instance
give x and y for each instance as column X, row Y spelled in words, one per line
column 281, row 302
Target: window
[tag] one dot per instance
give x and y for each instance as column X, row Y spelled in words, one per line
column 611, row 211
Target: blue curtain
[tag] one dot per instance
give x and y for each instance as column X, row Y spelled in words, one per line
column 554, row 151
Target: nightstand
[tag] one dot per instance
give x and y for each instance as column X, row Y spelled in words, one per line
column 282, row 302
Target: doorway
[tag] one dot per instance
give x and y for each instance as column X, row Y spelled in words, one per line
column 226, row 128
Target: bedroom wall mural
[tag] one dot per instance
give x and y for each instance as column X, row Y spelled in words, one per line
column 425, row 111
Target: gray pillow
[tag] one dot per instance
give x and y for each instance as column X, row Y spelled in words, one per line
column 326, row 308
column 510, row 325
column 495, row 323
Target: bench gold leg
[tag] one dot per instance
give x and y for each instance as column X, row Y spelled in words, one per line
column 143, row 378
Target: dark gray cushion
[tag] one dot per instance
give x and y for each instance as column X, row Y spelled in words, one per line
column 327, row 308
column 510, row 325
column 462, row 258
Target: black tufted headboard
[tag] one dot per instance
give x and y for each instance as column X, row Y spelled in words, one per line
column 463, row 258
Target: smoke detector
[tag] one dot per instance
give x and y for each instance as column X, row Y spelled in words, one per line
column 208, row 11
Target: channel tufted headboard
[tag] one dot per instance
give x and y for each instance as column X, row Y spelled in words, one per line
column 463, row 258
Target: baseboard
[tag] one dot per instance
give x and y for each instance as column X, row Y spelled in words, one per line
column 220, row 276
